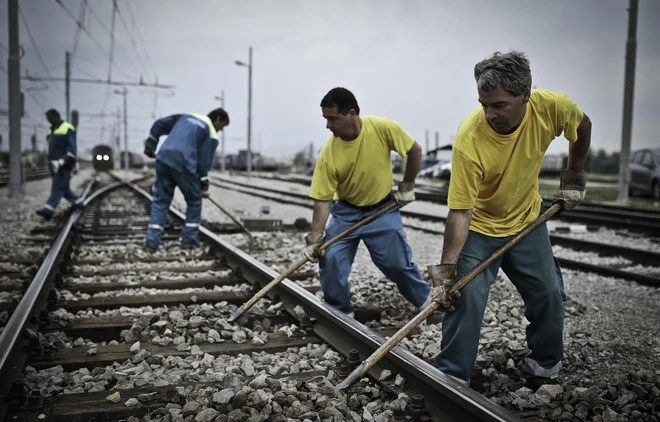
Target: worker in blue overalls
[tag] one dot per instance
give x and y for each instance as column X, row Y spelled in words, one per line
column 183, row 160
column 62, row 150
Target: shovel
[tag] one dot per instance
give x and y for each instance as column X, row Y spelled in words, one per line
column 261, row 293
column 362, row 369
column 241, row 225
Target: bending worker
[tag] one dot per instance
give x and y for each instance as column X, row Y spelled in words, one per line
column 493, row 195
column 355, row 166
column 62, row 150
column 183, row 161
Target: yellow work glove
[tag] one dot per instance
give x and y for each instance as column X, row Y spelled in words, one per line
column 443, row 277
column 405, row 194
column 313, row 251
column 572, row 188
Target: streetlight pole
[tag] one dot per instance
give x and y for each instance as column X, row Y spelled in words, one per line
column 221, row 98
column 124, row 92
column 628, row 94
column 249, row 119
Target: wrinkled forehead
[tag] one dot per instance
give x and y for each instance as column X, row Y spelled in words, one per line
column 498, row 95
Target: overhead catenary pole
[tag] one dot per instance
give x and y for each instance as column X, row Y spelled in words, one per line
column 249, row 129
column 221, row 98
column 67, row 83
column 628, row 96
column 249, row 118
column 125, row 134
column 15, row 106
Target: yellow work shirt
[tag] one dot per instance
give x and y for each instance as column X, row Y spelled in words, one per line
column 497, row 175
column 360, row 171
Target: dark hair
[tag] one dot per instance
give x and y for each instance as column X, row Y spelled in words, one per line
column 219, row 113
column 341, row 98
column 53, row 113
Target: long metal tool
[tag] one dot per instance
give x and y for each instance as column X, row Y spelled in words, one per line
column 261, row 293
column 385, row 348
column 235, row 220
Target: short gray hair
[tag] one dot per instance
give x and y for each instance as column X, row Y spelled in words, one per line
column 510, row 71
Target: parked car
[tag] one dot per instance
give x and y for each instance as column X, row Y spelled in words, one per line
column 645, row 172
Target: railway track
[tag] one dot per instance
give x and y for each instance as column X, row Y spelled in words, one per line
column 646, row 263
column 30, row 174
column 101, row 316
column 640, row 219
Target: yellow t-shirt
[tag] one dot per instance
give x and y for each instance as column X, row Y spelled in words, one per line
column 497, row 175
column 360, row 171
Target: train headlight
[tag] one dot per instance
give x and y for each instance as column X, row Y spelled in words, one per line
column 106, row 158
column 98, row 157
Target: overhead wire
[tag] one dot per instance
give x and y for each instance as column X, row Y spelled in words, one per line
column 34, row 44
column 82, row 26
column 76, row 37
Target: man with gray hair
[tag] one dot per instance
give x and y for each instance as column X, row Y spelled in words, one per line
column 493, row 195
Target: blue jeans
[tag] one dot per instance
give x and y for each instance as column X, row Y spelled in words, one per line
column 387, row 244
column 59, row 189
column 167, row 179
column 532, row 268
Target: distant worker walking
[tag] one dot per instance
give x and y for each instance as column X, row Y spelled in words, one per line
column 183, row 161
column 354, row 167
column 62, row 150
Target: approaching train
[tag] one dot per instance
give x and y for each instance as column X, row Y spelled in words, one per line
column 102, row 158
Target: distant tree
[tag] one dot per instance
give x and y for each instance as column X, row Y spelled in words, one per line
column 603, row 163
column 299, row 158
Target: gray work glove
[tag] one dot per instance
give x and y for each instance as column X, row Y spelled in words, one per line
column 58, row 164
column 405, row 193
column 313, row 251
column 149, row 152
column 572, row 188
column 443, row 277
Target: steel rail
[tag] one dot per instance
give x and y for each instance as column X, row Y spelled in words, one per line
column 33, row 301
column 439, row 195
column 637, row 255
column 444, row 397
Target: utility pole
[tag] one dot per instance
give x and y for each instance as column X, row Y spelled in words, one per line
column 14, row 89
column 125, row 92
column 628, row 95
column 426, row 152
column 221, row 98
column 67, row 83
column 249, row 119
column 437, row 139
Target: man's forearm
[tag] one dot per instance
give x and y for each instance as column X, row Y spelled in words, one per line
column 412, row 164
column 320, row 216
column 579, row 150
column 456, row 232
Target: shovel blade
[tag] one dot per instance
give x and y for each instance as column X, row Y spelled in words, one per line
column 351, row 379
column 237, row 314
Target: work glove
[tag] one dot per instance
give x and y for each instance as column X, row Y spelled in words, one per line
column 313, row 251
column 149, row 153
column 443, row 277
column 572, row 188
column 205, row 190
column 405, row 194
column 58, row 164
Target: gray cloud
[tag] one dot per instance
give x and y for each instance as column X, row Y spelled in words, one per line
column 411, row 61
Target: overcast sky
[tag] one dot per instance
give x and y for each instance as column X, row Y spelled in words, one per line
column 409, row 60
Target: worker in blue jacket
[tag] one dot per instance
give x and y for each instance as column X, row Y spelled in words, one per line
column 62, row 151
column 183, row 160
